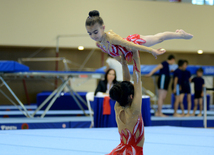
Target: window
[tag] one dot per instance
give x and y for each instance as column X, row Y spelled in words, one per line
column 203, row 2
column 209, row 2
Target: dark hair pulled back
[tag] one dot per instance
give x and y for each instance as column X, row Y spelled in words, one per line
column 121, row 92
column 93, row 18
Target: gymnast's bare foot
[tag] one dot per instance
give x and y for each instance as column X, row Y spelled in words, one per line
column 176, row 115
column 199, row 115
column 187, row 115
column 185, row 35
column 192, row 114
column 160, row 114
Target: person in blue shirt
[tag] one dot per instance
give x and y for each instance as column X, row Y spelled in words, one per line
column 163, row 81
column 176, row 87
column 198, row 87
column 185, row 88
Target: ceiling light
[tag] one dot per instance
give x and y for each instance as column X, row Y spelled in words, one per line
column 80, row 48
column 200, row 51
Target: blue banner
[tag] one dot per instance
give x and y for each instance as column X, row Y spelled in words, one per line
column 145, row 69
column 15, row 126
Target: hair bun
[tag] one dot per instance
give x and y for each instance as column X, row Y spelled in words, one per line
column 94, row 13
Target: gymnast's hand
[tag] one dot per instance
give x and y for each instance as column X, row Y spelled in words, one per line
column 158, row 52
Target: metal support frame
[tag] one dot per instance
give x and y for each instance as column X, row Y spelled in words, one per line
column 205, row 107
column 65, row 36
column 205, row 104
column 55, row 97
column 79, row 97
column 45, row 101
column 25, row 112
column 86, row 59
column 45, row 59
column 74, row 97
column 56, row 93
column 12, row 102
column 71, row 36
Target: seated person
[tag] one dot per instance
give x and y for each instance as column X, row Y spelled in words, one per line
column 105, row 85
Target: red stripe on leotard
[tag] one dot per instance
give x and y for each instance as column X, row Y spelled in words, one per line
column 130, row 148
column 114, row 52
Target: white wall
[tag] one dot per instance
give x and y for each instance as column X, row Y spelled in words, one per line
column 37, row 23
column 82, row 84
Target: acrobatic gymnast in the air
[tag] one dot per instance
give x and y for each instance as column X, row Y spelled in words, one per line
column 111, row 43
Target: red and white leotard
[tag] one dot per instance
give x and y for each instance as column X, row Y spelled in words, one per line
column 113, row 50
column 130, row 147
column 113, row 43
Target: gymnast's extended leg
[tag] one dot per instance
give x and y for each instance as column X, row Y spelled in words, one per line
column 160, row 37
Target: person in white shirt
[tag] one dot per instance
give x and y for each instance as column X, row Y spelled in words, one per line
column 112, row 63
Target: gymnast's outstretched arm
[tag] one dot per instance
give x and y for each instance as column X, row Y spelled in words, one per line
column 117, row 40
column 126, row 73
column 137, row 100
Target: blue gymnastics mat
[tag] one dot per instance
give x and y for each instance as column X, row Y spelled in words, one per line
column 99, row 141
column 12, row 66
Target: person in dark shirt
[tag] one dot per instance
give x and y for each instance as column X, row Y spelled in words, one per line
column 105, row 85
column 198, row 87
column 176, row 86
column 185, row 88
column 163, row 81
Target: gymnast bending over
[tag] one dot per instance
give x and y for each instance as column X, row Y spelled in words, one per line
column 111, row 43
column 128, row 99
